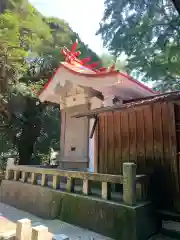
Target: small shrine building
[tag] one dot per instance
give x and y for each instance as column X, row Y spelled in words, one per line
column 78, row 86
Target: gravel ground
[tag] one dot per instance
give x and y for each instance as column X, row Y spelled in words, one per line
column 9, row 216
column 55, row 226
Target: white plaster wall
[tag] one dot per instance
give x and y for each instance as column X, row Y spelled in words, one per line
column 91, row 147
column 95, row 103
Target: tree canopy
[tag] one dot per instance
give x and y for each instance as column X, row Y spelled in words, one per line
column 30, row 46
column 108, row 60
column 148, row 32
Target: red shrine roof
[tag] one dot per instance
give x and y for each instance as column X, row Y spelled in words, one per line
column 85, row 74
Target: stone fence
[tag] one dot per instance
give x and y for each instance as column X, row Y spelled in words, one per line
column 25, row 231
column 134, row 186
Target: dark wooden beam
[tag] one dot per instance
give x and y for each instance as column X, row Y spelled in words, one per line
column 93, row 128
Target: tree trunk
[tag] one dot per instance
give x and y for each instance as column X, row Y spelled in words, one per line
column 30, row 131
column 27, row 140
column 25, row 149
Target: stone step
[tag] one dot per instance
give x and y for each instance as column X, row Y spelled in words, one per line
column 162, row 237
column 171, row 229
column 169, row 216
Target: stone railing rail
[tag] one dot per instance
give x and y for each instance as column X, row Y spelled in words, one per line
column 25, row 231
column 134, row 186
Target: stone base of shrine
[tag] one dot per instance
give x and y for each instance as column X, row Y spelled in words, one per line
column 73, row 165
column 114, row 220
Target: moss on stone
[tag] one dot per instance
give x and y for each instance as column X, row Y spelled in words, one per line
column 117, row 221
column 112, row 220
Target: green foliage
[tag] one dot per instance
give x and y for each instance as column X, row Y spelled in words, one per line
column 11, row 53
column 50, row 131
column 148, row 32
column 21, row 31
column 30, row 46
column 109, row 60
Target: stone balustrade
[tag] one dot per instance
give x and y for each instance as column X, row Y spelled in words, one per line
column 134, row 186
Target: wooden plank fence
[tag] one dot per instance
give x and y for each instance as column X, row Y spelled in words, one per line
column 148, row 136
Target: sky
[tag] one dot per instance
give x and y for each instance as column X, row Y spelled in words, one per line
column 83, row 17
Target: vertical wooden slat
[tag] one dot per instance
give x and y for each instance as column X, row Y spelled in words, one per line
column 110, row 143
column 166, row 135
column 141, row 152
column 113, row 144
column 158, row 136
column 174, row 166
column 96, row 148
column 132, row 136
column 125, row 136
column 177, row 126
column 106, row 147
column 101, row 143
column 177, row 129
column 148, row 131
column 168, row 183
column 120, row 144
column 117, row 143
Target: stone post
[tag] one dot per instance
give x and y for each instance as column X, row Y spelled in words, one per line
column 44, row 180
column 70, row 184
column 33, row 178
column 106, row 191
column 40, row 233
column 86, row 187
column 23, row 229
column 10, row 163
column 56, row 182
column 129, row 183
column 17, row 175
column 9, row 173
